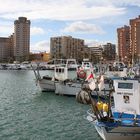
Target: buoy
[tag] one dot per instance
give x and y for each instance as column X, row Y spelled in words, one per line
column 82, row 74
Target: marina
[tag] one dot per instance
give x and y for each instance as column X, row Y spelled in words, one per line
column 70, row 70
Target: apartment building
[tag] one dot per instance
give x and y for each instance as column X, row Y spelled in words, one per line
column 97, row 51
column 66, row 47
column 11, row 48
column 129, row 41
column 4, row 49
column 135, row 38
column 21, row 39
column 109, row 51
column 123, row 43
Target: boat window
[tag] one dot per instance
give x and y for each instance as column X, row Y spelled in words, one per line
column 125, row 85
column 57, row 70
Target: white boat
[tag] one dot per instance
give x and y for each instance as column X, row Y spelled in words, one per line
column 121, row 121
column 48, row 83
column 71, row 86
column 65, row 86
column 71, row 64
column 116, row 73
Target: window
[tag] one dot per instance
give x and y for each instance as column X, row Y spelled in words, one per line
column 125, row 85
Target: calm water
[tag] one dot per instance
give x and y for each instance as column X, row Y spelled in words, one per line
column 28, row 114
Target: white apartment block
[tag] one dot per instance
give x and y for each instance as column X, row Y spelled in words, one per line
column 66, row 47
column 97, row 51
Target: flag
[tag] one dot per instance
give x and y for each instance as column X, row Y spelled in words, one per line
column 90, row 77
column 101, row 83
column 92, row 85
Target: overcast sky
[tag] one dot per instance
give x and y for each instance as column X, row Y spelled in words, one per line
column 95, row 21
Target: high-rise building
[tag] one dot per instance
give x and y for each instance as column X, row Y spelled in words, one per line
column 66, row 47
column 21, row 39
column 123, row 43
column 135, row 38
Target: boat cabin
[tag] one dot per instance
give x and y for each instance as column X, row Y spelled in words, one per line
column 61, row 73
column 127, row 95
column 126, row 99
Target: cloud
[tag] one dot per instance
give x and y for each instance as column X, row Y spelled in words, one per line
column 37, row 31
column 95, row 43
column 59, row 10
column 125, row 3
column 83, row 27
column 6, row 28
column 41, row 46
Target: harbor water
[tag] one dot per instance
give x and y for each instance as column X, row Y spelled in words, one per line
column 26, row 113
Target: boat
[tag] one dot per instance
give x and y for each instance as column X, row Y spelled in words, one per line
column 66, row 85
column 72, row 86
column 49, row 83
column 71, row 64
column 116, row 71
column 61, row 83
column 120, row 118
column 46, row 82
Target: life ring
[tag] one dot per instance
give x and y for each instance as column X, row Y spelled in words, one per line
column 82, row 74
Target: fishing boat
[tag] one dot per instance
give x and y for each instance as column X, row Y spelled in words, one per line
column 71, row 86
column 116, row 72
column 48, row 83
column 119, row 119
column 66, row 85
column 52, row 83
column 71, row 64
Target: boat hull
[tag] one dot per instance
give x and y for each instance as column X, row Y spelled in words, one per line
column 47, row 85
column 68, row 88
column 118, row 133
